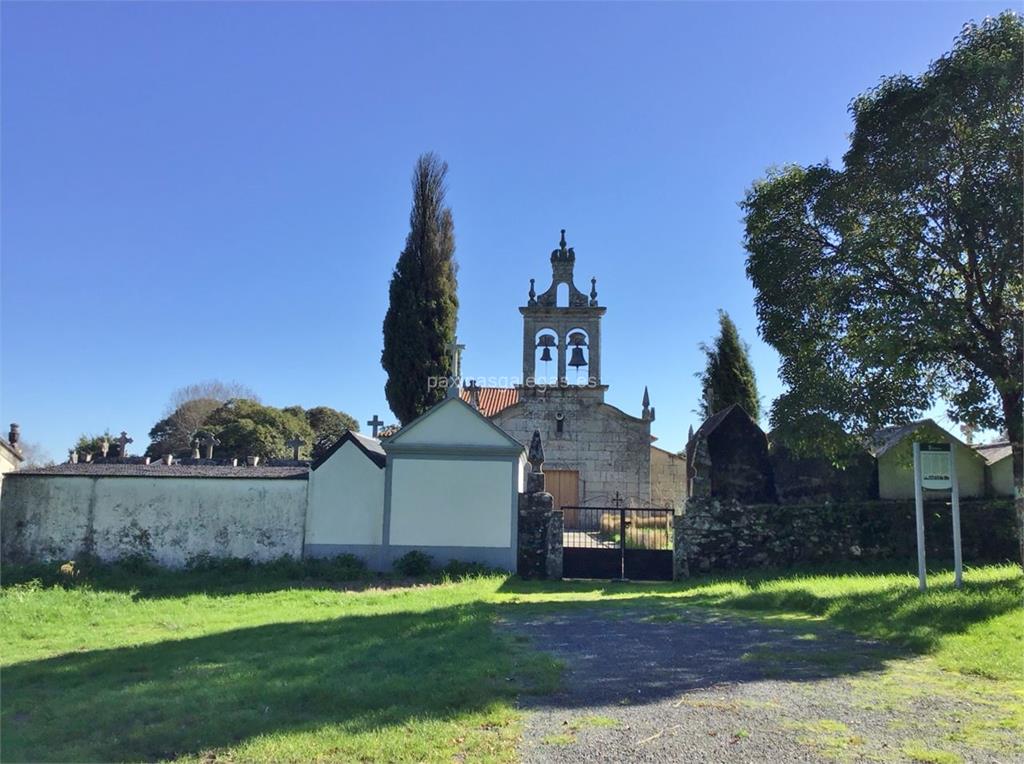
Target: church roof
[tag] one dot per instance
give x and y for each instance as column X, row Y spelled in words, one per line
column 492, row 399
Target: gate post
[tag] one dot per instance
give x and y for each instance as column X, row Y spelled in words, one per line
column 680, row 565
column 540, row 524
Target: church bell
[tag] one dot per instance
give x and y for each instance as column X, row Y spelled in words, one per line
column 545, row 354
column 577, row 358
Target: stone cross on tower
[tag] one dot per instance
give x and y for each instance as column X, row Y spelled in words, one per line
column 123, row 442
column 295, row 444
column 375, row 424
column 209, row 440
column 455, row 382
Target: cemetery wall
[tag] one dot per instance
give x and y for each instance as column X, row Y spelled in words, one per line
column 168, row 520
column 719, row 535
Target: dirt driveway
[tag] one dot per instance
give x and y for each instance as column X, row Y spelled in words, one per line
column 697, row 685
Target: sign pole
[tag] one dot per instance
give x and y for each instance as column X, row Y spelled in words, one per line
column 922, row 580
column 958, row 559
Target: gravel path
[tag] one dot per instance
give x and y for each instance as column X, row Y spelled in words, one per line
column 696, row 685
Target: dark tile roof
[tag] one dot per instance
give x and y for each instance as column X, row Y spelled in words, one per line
column 368, row 446
column 994, row 452
column 185, row 469
column 711, row 424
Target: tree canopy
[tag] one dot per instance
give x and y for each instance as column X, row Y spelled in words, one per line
column 247, row 428
column 421, row 317
column 896, row 280
column 728, row 377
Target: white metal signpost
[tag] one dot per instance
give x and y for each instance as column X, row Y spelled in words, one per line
column 935, row 469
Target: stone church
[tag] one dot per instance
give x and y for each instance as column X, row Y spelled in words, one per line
column 593, row 450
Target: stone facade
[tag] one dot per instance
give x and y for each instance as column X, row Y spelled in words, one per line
column 609, row 448
column 725, row 534
column 668, row 479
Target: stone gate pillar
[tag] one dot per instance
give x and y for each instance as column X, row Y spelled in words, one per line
column 540, row 524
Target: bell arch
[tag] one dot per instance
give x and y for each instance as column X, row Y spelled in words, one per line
column 545, row 356
column 578, row 366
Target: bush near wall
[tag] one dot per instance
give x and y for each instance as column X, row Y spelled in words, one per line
column 716, row 535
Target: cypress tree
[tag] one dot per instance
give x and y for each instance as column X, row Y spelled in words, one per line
column 728, row 377
column 423, row 308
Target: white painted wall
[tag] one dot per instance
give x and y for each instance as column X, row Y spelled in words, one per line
column 451, row 422
column 172, row 519
column 452, row 502
column 346, row 500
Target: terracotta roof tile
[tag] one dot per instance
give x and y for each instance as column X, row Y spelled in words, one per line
column 493, row 399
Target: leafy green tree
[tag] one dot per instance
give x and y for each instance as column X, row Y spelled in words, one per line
column 328, row 425
column 247, row 428
column 93, row 444
column 421, row 316
column 896, row 280
column 728, row 377
column 174, row 433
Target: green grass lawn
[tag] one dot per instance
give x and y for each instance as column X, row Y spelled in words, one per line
column 252, row 666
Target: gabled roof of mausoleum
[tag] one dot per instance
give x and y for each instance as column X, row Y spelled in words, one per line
column 994, row 452
column 411, row 433
column 370, row 447
column 884, row 439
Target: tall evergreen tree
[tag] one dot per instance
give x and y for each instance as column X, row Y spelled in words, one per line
column 728, row 377
column 421, row 317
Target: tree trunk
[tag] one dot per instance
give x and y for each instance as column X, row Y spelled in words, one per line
column 1013, row 411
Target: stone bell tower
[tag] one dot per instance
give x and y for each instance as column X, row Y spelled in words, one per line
column 562, row 330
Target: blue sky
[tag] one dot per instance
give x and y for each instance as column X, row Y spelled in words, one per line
column 194, row 191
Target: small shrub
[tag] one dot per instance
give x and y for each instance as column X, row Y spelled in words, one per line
column 344, row 567
column 206, row 562
column 285, row 566
column 414, row 563
column 137, row 565
column 456, row 570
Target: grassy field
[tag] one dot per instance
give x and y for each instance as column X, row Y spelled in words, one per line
column 256, row 665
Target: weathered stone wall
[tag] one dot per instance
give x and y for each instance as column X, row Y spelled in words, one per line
column 719, row 535
column 169, row 520
column 610, row 449
column 668, row 479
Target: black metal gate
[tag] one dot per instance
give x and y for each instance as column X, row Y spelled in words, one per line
column 617, row 542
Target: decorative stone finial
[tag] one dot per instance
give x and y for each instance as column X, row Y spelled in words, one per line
column 689, row 436
column 532, row 295
column 648, row 410
column 563, row 254
column 593, row 293
column 455, row 380
column 14, row 436
column 535, row 456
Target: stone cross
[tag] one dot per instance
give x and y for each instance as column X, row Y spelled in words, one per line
column 209, row 440
column 376, row 423
column 455, row 349
column 295, row 444
column 105, row 447
column 123, row 442
column 617, row 500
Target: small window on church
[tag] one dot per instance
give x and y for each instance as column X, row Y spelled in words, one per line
column 559, row 422
column 562, row 296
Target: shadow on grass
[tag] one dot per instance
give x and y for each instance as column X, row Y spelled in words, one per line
column 899, row 613
column 178, row 698
column 383, row 678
